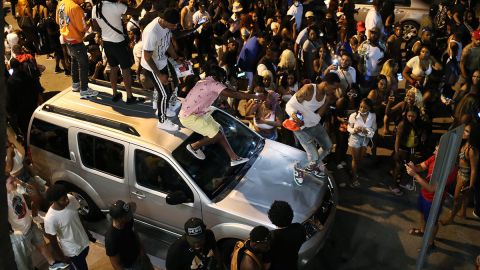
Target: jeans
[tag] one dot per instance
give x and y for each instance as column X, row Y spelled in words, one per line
column 78, row 53
column 309, row 138
column 79, row 261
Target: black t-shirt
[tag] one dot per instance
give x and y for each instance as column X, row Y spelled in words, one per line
column 181, row 257
column 285, row 246
column 123, row 243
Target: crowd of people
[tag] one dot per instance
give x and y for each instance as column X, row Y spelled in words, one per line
column 304, row 74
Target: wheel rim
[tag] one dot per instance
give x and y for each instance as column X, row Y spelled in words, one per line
column 409, row 31
column 84, row 207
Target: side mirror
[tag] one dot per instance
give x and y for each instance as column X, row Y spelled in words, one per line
column 177, row 197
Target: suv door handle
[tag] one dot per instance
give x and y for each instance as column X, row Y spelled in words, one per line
column 72, row 156
column 139, row 194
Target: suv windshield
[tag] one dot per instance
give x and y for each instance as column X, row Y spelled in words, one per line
column 214, row 175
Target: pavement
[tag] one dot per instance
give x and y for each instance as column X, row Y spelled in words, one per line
column 371, row 227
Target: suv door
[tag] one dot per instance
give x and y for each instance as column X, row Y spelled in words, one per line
column 102, row 162
column 153, row 178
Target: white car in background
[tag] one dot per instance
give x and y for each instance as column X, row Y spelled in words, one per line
column 408, row 12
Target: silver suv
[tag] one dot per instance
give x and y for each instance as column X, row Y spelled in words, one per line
column 104, row 151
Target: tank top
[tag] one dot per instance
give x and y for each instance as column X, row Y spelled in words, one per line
column 313, row 105
column 188, row 19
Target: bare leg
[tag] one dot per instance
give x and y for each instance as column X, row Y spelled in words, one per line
column 113, row 79
column 355, row 161
column 46, row 253
column 457, row 202
column 219, row 138
column 386, row 129
column 127, row 81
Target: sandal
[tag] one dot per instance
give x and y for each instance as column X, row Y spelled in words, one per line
column 415, row 232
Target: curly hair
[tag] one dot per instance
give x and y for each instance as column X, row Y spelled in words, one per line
column 280, row 214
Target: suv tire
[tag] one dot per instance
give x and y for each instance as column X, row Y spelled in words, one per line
column 88, row 211
column 410, row 30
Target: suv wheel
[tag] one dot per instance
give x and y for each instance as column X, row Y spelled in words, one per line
column 88, row 211
column 410, row 29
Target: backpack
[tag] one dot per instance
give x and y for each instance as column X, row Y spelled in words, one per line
column 29, row 66
column 240, row 247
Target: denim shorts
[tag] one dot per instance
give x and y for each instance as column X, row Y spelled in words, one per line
column 357, row 141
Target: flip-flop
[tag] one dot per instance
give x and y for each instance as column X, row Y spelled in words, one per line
column 415, row 232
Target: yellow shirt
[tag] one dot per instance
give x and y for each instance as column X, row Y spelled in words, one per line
column 410, row 139
column 71, row 19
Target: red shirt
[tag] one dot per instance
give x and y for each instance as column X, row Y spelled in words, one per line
column 430, row 162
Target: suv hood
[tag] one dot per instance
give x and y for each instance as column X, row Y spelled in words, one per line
column 271, row 178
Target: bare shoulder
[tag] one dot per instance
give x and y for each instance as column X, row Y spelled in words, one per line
column 305, row 93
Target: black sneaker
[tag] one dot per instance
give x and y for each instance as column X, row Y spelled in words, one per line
column 117, row 97
column 133, row 100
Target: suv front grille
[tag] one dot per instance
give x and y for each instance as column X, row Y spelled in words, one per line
column 317, row 221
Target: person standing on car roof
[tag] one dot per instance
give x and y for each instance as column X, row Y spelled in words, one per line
column 196, row 249
column 122, row 243
column 71, row 19
column 107, row 20
column 195, row 113
column 157, row 42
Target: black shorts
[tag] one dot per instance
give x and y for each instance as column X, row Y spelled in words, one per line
column 118, row 54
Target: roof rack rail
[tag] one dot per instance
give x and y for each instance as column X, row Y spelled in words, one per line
column 92, row 119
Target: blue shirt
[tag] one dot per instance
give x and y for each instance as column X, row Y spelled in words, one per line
column 248, row 57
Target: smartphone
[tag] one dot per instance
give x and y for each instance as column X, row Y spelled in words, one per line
column 241, row 75
column 399, row 76
column 202, row 20
column 335, row 62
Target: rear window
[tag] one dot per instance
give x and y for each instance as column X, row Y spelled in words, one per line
column 50, row 137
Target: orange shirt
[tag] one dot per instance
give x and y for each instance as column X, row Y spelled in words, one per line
column 71, row 19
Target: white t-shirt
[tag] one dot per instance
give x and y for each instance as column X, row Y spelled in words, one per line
column 137, row 53
column 414, row 64
column 373, row 55
column 373, row 19
column 302, row 37
column 68, row 228
column 19, row 216
column 297, row 13
column 113, row 13
column 157, row 40
column 347, row 78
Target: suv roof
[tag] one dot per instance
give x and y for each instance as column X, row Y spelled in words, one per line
column 140, row 117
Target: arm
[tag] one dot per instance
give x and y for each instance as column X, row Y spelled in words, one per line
column 248, row 264
column 406, row 74
column 9, row 158
column 171, row 51
column 56, row 247
column 473, row 155
column 135, row 10
column 95, row 26
column 429, row 187
column 148, row 55
column 397, row 138
column 183, row 13
column 372, row 95
column 237, row 94
column 435, row 64
column 465, row 53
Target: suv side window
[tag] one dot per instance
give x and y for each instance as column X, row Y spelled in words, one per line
column 49, row 137
column 155, row 173
column 101, row 154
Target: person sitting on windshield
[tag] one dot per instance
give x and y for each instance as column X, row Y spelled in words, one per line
column 195, row 113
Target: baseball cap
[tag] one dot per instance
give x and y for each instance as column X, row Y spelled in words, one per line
column 309, row 14
column 120, row 209
column 195, row 228
column 476, row 34
column 360, row 26
column 290, row 125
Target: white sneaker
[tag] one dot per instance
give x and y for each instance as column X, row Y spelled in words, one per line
column 238, row 161
column 75, row 87
column 170, row 113
column 197, row 153
column 88, row 93
column 167, row 125
column 155, row 100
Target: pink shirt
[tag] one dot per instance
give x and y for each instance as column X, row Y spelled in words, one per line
column 201, row 97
